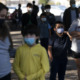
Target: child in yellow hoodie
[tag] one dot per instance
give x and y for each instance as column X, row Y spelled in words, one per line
column 31, row 60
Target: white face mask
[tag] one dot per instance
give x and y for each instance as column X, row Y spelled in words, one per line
column 30, row 9
column 43, row 19
column 60, row 30
column 47, row 10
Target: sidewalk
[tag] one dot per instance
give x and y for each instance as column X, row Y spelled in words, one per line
column 71, row 73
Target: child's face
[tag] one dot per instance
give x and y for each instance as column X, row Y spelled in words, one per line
column 30, row 39
column 59, row 29
column 43, row 18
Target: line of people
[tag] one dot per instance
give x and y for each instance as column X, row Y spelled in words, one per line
column 31, row 60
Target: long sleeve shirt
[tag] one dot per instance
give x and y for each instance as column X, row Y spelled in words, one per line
column 31, row 61
column 5, row 66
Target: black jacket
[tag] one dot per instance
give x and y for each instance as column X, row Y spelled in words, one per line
column 26, row 18
column 67, row 17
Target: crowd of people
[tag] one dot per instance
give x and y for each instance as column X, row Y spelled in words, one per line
column 46, row 43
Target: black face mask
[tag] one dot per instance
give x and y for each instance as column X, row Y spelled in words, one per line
column 2, row 21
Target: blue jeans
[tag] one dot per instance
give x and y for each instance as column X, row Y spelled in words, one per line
column 58, row 66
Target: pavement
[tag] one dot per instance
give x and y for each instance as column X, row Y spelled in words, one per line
column 71, row 73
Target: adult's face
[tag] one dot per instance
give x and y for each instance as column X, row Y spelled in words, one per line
column 3, row 14
column 72, row 4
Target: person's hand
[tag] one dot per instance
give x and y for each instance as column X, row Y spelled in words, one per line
column 66, row 32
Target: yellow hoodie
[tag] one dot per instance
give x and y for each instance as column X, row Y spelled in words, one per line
column 31, row 62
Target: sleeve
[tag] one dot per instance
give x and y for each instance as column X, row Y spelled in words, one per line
column 5, row 44
column 50, row 41
column 35, row 75
column 64, row 17
column 73, row 26
column 49, row 27
column 52, row 20
column 45, row 61
column 45, row 67
column 16, row 65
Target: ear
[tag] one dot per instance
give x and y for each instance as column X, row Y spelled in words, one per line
column 54, row 29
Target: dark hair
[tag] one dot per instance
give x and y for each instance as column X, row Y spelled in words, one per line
column 47, row 6
column 58, row 22
column 4, row 31
column 19, row 5
column 2, row 6
column 31, row 29
column 29, row 5
column 43, row 14
column 33, row 2
column 72, row 1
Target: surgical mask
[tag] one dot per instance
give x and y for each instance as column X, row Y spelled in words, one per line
column 43, row 19
column 30, row 9
column 60, row 30
column 2, row 21
column 29, row 41
column 73, row 5
column 47, row 10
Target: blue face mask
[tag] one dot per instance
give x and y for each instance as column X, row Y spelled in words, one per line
column 43, row 19
column 29, row 41
column 73, row 5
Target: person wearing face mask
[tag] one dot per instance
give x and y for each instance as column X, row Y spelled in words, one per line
column 31, row 60
column 50, row 17
column 74, row 31
column 57, row 51
column 5, row 44
column 29, row 17
column 45, row 30
column 70, row 14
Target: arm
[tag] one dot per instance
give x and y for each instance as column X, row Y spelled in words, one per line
column 45, row 61
column 49, row 27
column 52, row 20
column 16, row 66
column 72, row 30
column 75, row 34
column 44, row 69
column 66, row 32
column 50, row 32
column 50, row 52
column 35, row 75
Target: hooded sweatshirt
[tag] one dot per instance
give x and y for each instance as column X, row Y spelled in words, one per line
column 31, row 62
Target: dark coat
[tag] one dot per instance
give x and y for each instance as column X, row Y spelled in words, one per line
column 67, row 17
column 26, row 18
